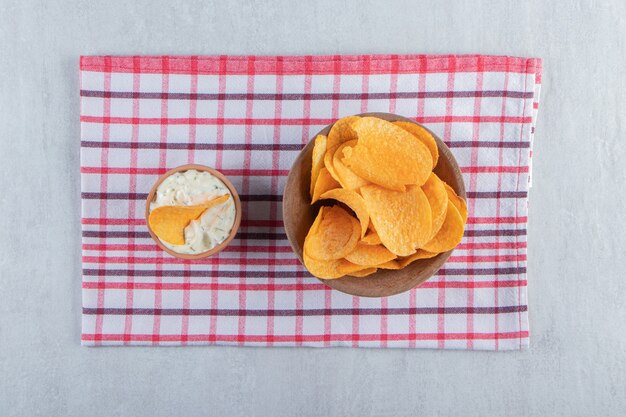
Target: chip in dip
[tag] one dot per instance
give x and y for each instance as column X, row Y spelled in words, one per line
column 194, row 188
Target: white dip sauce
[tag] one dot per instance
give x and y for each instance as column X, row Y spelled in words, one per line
column 191, row 188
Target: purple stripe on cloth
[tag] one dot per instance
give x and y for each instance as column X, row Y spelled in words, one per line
column 312, row 312
column 266, row 147
column 270, row 197
column 489, row 144
column 193, row 146
column 281, row 236
column 278, row 274
column 498, row 233
column 143, row 196
column 497, row 194
column 128, row 235
column 311, row 96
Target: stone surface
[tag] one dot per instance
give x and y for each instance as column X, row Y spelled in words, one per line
column 577, row 360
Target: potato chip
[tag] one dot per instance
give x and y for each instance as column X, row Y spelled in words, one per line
column 347, row 178
column 458, row 202
column 169, row 222
column 319, row 150
column 371, row 238
column 333, row 236
column 387, row 155
column 363, row 272
column 354, row 201
column 389, row 265
column 329, row 269
column 450, row 233
column 424, row 136
column 325, row 182
column 316, row 223
column 435, row 191
column 420, row 254
column 402, row 219
column 370, row 255
column 328, row 162
column 342, row 131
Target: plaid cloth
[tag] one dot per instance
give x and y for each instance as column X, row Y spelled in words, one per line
column 249, row 117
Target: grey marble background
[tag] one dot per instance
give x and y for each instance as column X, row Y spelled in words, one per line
column 576, row 365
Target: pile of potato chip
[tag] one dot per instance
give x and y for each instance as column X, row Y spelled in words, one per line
column 390, row 207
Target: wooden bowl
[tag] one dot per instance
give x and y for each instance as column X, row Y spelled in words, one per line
column 228, row 185
column 298, row 215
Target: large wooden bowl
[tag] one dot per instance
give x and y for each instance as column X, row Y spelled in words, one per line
column 298, row 215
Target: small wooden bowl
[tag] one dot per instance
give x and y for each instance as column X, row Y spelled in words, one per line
column 298, row 216
column 228, row 185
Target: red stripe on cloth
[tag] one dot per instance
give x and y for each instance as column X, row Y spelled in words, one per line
column 131, row 205
column 158, row 298
column 246, row 185
column 447, row 132
column 521, row 137
column 473, row 185
column 494, row 169
column 104, row 160
column 306, row 114
column 308, row 285
column 274, row 190
column 160, row 171
column 270, row 261
column 352, row 64
column 219, row 165
column 393, row 86
column 141, row 222
column 278, row 223
column 281, row 249
column 249, row 120
column 496, row 292
column 193, row 88
column 421, row 88
column 335, row 337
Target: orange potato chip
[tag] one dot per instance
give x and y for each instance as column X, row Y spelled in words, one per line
column 435, row 191
column 420, row 254
column 370, row 255
column 328, row 162
column 363, row 272
column 342, row 131
column 424, row 136
column 169, row 222
column 458, row 202
column 319, row 150
column 333, row 235
column 329, row 269
column 450, row 233
column 325, row 182
column 389, row 265
column 371, row 238
column 354, row 201
column 402, row 219
column 316, row 223
column 387, row 155
column 347, row 178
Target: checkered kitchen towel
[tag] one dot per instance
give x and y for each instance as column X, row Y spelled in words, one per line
column 249, row 117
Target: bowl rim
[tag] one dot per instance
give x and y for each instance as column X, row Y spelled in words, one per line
column 227, row 183
column 441, row 258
